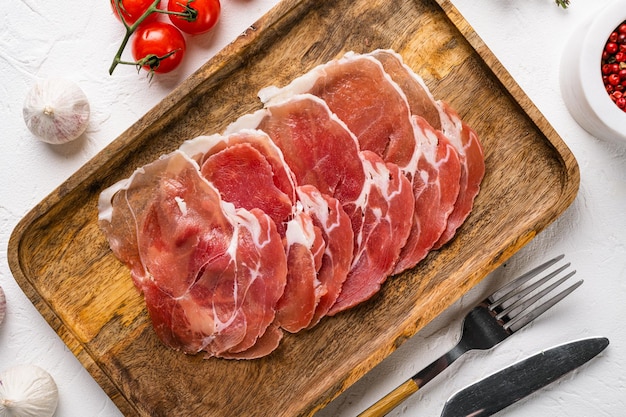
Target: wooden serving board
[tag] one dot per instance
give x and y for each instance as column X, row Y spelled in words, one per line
column 63, row 263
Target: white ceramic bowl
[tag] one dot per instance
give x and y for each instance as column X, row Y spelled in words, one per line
column 581, row 76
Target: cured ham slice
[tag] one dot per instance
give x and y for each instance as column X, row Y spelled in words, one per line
column 384, row 125
column 264, row 345
column 420, row 100
column 336, row 227
column 470, row 150
column 322, row 152
column 210, row 273
column 436, row 188
column 386, row 224
column 305, row 246
column 441, row 117
column 349, row 174
column 250, row 157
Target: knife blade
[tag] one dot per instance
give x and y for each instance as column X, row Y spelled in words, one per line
column 511, row 384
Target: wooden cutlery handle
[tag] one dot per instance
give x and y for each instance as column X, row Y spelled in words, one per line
column 391, row 400
column 401, row 393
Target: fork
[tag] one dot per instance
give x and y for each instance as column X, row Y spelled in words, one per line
column 493, row 320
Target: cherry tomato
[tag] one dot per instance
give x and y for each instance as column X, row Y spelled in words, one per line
column 133, row 9
column 155, row 40
column 206, row 14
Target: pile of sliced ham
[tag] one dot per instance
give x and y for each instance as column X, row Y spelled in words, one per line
column 350, row 174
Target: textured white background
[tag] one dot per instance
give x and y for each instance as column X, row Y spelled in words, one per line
column 77, row 40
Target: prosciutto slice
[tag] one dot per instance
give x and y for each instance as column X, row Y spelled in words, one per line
column 384, row 125
column 418, row 96
column 249, row 157
column 436, row 188
column 210, row 273
column 378, row 199
column 470, row 150
column 445, row 119
column 328, row 214
column 349, row 174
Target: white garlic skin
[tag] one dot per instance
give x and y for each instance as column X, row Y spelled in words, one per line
column 3, row 305
column 56, row 110
column 27, row 391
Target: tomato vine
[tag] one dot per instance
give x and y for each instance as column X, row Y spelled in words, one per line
column 159, row 46
column 562, row 3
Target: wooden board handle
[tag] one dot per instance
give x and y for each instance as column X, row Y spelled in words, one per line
column 391, row 400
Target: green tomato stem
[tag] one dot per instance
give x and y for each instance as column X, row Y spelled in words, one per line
column 130, row 29
column 562, row 3
column 189, row 14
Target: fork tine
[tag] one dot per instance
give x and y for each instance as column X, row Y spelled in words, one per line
column 514, row 285
column 522, row 304
column 516, row 294
column 484, row 328
column 522, row 320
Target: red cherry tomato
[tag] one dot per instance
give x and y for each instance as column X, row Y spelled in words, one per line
column 155, row 40
column 206, row 14
column 133, row 9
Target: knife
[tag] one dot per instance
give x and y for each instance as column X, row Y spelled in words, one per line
column 495, row 392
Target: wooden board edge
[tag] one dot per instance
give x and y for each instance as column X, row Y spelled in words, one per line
column 570, row 186
column 54, row 321
column 410, row 329
column 571, row 183
column 90, row 169
column 87, row 173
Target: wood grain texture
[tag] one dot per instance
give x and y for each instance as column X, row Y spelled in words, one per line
column 390, row 401
column 64, row 265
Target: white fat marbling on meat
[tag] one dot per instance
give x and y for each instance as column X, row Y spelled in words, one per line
column 451, row 128
column 105, row 200
column 200, row 145
column 299, row 230
column 182, row 205
column 105, row 207
column 274, row 95
column 245, row 123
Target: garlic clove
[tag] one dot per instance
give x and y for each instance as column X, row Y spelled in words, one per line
column 3, row 305
column 56, row 110
column 27, row 391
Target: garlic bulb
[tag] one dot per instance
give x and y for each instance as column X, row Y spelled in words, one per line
column 27, row 391
column 3, row 305
column 56, row 110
